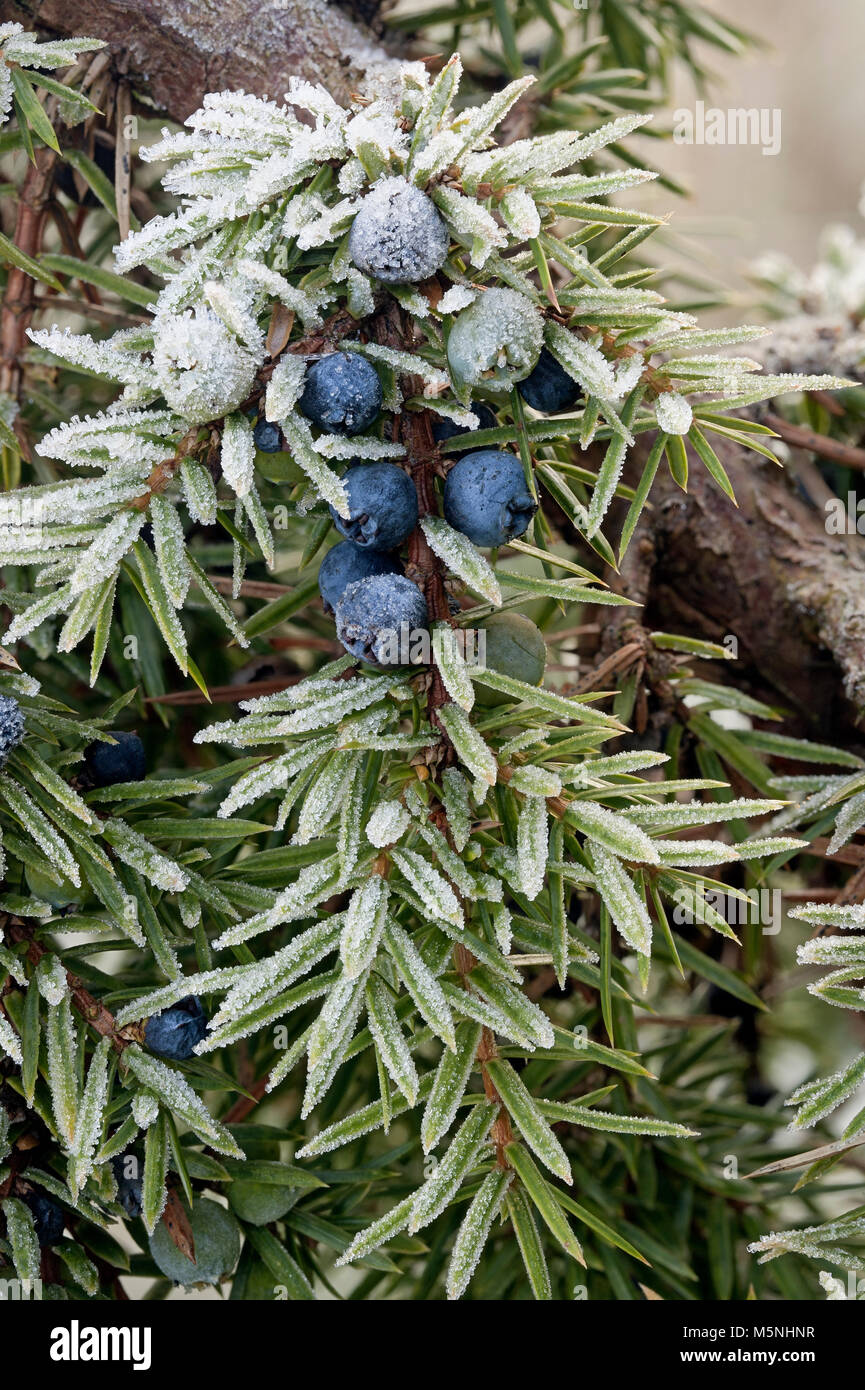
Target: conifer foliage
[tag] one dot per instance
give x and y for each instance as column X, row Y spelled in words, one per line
column 411, row 903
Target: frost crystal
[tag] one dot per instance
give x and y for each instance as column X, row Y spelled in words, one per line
column 201, row 368
column 238, row 454
column 388, row 822
column 434, row 891
column 284, row 388
column 532, row 845
column 674, row 414
column 51, row 980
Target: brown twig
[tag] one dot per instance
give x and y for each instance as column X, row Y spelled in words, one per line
column 800, row 437
column 90, row 1009
column 18, row 297
column 225, row 694
column 414, row 428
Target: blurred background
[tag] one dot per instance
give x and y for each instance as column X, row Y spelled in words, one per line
column 743, row 203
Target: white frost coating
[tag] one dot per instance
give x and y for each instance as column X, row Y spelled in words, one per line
column 461, row 556
column 285, row 387
column 455, row 797
column 376, row 129
column 200, row 367
column 330, row 1036
column 475, row 1228
column 305, row 302
column 520, row 213
column 51, row 979
column 497, row 340
column 442, row 1186
column 471, row 222
column 101, row 558
column 361, row 446
column 673, row 413
column 180, row 1099
column 259, row 983
column 389, row 1040
column 532, row 845
column 108, row 359
column 452, row 666
column 502, row 928
column 324, row 797
column 471, row 748
column 237, row 458
column 9, row 1041
column 456, row 298
column 141, row 855
column 625, row 905
column 305, row 454
column 434, row 378
column 145, row 1109
column 434, row 890
column 388, row 822
column 234, row 307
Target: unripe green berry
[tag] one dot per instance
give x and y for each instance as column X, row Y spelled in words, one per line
column 516, row 648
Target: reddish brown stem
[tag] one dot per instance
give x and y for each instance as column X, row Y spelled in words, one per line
column 18, row 298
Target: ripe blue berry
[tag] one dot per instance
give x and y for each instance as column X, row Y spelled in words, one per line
column 175, row 1032
column 375, row 614
column 48, row 1218
column 128, row 1175
column 11, row 726
column 383, row 504
column 342, row 392
column 485, row 497
column 448, row 429
column 121, row 761
column 344, row 564
column 398, row 236
column 548, row 387
column 267, row 436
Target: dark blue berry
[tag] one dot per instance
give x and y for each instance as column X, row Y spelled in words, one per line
column 121, row 761
column 448, row 429
column 127, row 1172
column 267, row 436
column 486, row 497
column 11, row 726
column 342, row 392
column 383, row 505
column 376, row 616
column 48, row 1218
column 175, row 1032
column 548, row 387
column 344, row 564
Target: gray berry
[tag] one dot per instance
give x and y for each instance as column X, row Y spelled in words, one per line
column 377, row 616
column 11, row 726
column 398, row 236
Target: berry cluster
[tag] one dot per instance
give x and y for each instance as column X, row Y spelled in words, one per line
column 496, row 343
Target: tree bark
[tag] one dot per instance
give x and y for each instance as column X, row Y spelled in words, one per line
column 765, row 571
column 173, row 51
